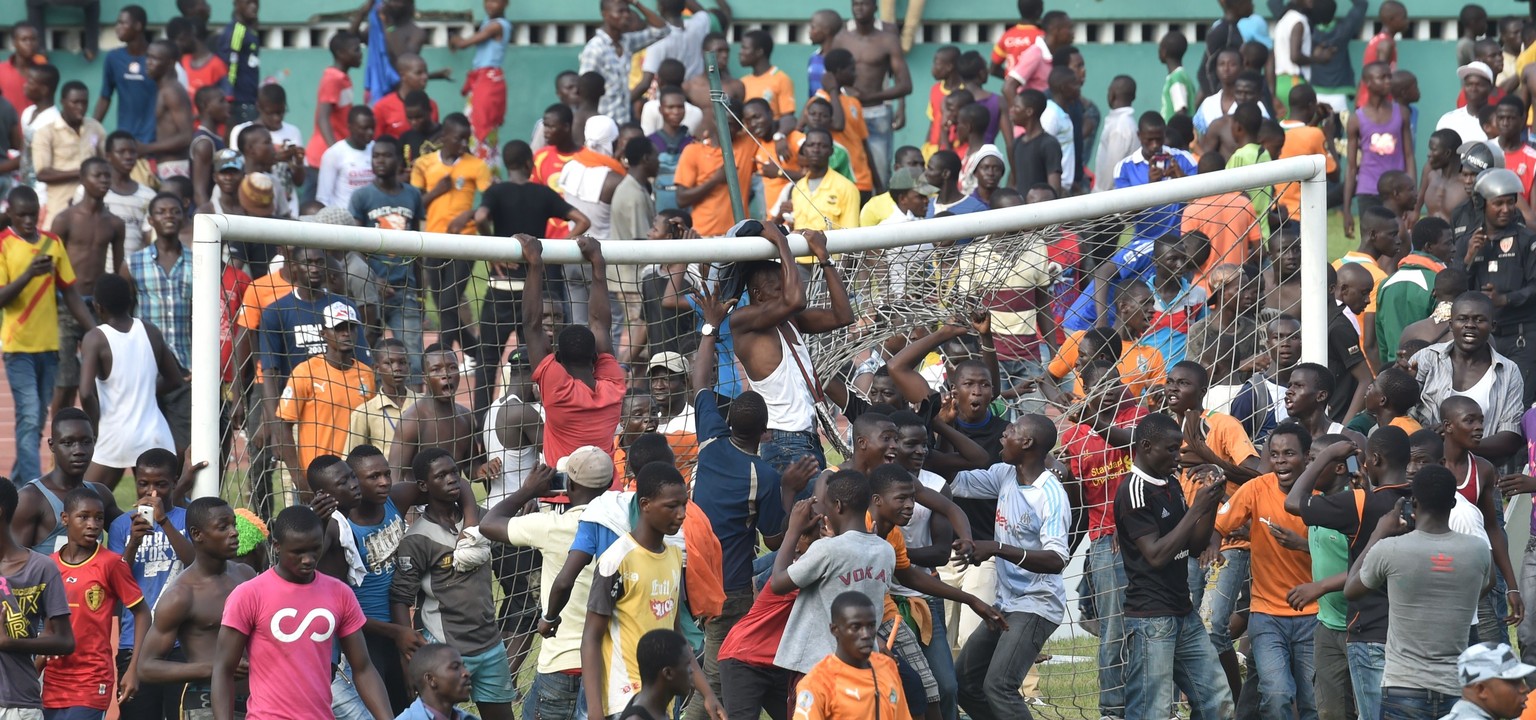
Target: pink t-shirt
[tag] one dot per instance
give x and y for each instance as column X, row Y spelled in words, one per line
column 576, row 415
column 335, row 88
column 291, row 628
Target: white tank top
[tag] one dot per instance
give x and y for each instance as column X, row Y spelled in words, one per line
column 516, row 463
column 127, row 399
column 1481, row 392
column 786, row 390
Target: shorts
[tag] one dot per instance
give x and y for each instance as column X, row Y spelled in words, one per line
column 909, row 652
column 197, row 703
column 517, row 570
column 486, row 89
column 176, row 406
column 490, row 676
column 73, row 713
column 70, row 334
column 21, row 714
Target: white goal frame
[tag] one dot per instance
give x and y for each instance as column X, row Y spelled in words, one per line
column 210, row 232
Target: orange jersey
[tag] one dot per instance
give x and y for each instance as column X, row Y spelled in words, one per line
column 852, row 137
column 319, row 400
column 1276, row 569
column 835, row 690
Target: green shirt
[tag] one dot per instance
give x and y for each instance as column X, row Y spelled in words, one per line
column 1262, row 197
column 1403, row 299
column 1330, row 556
column 1179, row 78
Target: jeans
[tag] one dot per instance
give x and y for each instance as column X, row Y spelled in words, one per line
column 1283, row 657
column 578, row 287
column 1108, row 575
column 1017, row 371
column 447, row 280
column 882, row 137
column 785, row 447
column 1165, row 652
column 1527, row 630
column 555, row 696
column 1414, row 703
column 1225, row 585
column 1367, row 662
column 1332, row 688
column 752, row 690
column 346, row 704
column 153, row 701
column 31, row 378
column 737, row 603
column 942, row 663
column 993, row 664
column 501, row 316
column 402, row 316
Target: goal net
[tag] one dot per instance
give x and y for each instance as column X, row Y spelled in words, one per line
column 440, row 316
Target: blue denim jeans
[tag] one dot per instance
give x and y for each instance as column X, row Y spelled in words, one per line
column 1413, row 703
column 1283, row 656
column 346, row 704
column 1017, row 371
column 882, row 138
column 1226, row 586
column 993, row 664
column 1367, row 662
column 555, row 696
column 1165, row 652
column 784, row 448
column 942, row 663
column 1108, row 574
column 402, row 316
column 30, row 376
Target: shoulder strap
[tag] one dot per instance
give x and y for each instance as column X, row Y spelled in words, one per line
column 811, row 380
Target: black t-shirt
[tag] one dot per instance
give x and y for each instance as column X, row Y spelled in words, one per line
column 522, row 208
column 1034, row 160
column 982, row 512
column 1368, row 615
column 1343, row 355
column 414, row 144
column 1144, row 507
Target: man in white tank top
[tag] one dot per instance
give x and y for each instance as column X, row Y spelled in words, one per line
column 770, row 342
column 1465, row 365
column 122, row 360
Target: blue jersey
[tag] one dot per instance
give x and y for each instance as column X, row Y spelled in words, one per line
column 153, row 565
column 128, row 76
column 1132, row 262
column 377, row 545
column 290, row 333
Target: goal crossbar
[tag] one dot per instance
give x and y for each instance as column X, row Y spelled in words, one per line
column 210, row 232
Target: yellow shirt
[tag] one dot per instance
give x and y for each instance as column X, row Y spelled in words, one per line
column 773, row 86
column 638, row 591
column 468, row 174
column 879, row 207
column 30, row 321
column 833, row 204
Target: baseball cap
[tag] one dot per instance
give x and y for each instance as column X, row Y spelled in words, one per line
column 228, row 159
column 256, row 194
column 1491, row 661
column 339, row 313
column 910, row 179
column 1475, row 67
column 670, row 361
column 589, row 466
column 331, row 215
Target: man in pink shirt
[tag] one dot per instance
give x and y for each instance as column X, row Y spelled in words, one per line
column 580, row 382
column 1033, row 68
column 288, row 617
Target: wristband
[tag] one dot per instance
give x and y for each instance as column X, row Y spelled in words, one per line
column 551, row 621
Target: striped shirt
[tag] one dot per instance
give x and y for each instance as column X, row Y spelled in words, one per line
column 165, row 297
column 613, row 61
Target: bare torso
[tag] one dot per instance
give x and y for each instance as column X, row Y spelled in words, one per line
column 87, row 235
column 872, row 57
column 1284, row 297
column 173, row 116
column 199, row 631
column 1443, row 193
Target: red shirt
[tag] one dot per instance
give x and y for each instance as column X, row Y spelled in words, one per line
column 94, row 588
column 547, row 164
column 1101, row 467
column 389, row 117
column 1373, row 54
column 211, row 73
column 754, row 639
column 576, row 415
column 936, row 95
column 1014, row 42
column 232, row 292
column 1523, row 162
column 336, row 88
column 12, row 82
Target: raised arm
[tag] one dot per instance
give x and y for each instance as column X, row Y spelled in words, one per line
column 766, row 314
column 1194, row 528
column 903, row 367
column 534, row 338
column 599, row 309
column 494, row 525
column 840, row 315
column 714, row 313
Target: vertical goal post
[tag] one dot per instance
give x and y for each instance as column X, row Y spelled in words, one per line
column 211, row 232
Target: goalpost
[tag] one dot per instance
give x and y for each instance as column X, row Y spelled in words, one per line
column 949, row 274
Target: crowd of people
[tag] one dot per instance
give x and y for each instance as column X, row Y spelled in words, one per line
column 625, row 475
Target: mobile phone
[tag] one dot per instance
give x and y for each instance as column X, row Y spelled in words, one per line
column 1352, row 464
column 561, row 483
column 1161, row 159
column 147, row 512
column 1408, row 512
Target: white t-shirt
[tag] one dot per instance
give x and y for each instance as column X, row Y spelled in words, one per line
column 343, row 169
column 133, row 210
column 1464, row 123
column 684, row 44
column 1058, row 124
column 650, row 117
column 1211, row 110
column 1284, row 29
column 287, row 133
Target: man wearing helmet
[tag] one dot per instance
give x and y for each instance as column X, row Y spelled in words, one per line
column 1500, row 259
column 1476, row 156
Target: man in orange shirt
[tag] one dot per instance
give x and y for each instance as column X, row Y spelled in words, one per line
column 700, row 177
column 1228, row 220
column 855, row 682
column 848, row 126
column 1280, row 624
column 766, row 81
column 320, row 396
column 448, row 180
column 1304, row 135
